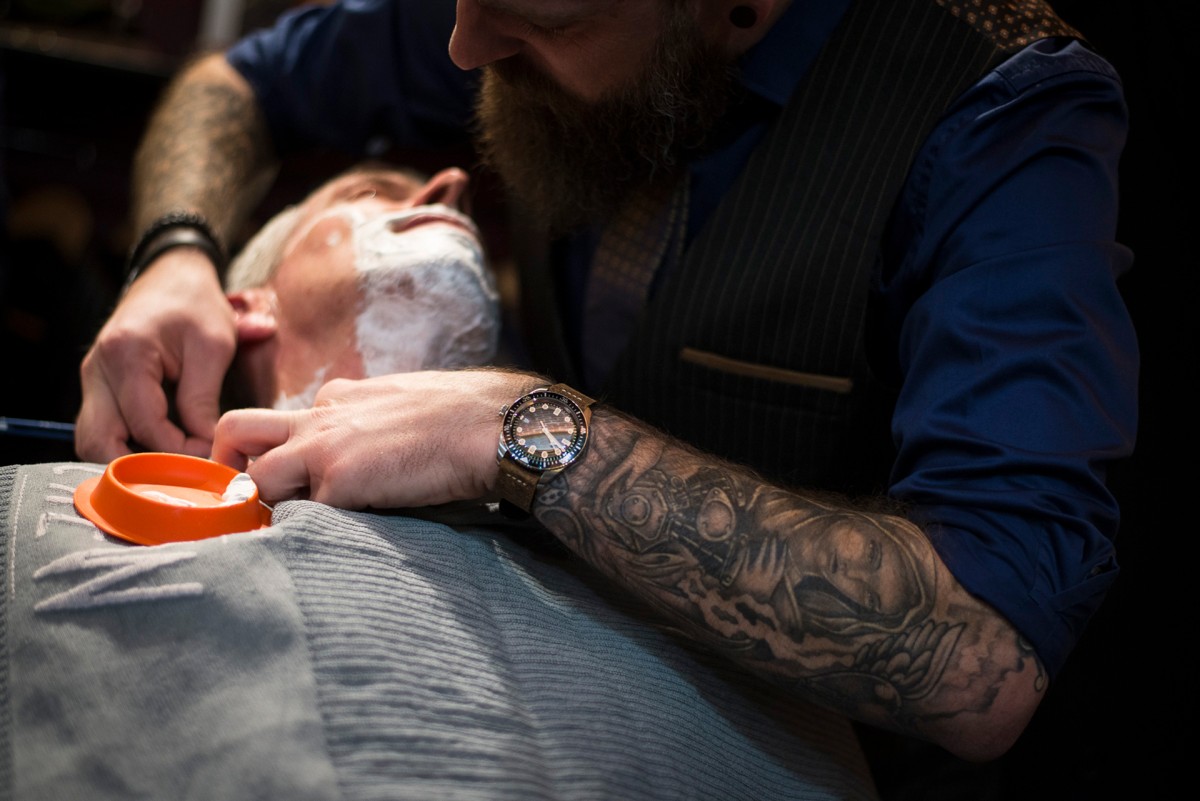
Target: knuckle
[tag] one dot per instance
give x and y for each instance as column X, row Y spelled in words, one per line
column 117, row 345
column 227, row 425
column 336, row 386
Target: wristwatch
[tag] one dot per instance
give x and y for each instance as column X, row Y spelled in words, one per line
column 543, row 432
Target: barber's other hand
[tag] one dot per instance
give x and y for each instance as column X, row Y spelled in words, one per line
column 405, row 440
column 173, row 325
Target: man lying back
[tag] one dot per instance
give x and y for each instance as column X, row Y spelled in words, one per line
column 377, row 271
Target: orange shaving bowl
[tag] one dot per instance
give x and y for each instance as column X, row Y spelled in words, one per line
column 131, row 500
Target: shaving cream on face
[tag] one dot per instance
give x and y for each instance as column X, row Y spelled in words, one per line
column 305, row 398
column 428, row 301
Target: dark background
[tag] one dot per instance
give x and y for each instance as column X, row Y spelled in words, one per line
column 1116, row 724
column 78, row 80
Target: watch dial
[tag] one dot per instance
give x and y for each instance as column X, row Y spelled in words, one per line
column 544, row 431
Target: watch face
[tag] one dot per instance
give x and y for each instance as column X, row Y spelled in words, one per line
column 544, row 430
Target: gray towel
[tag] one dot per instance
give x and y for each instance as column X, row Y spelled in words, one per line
column 365, row 656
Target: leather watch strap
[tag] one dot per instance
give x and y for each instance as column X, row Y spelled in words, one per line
column 516, row 483
column 581, row 400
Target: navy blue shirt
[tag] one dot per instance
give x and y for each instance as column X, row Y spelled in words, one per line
column 995, row 305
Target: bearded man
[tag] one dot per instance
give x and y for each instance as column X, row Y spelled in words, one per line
column 841, row 275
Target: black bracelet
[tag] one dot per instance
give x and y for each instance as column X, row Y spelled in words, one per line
column 173, row 230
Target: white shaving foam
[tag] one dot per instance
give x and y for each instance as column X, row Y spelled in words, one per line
column 428, row 299
column 164, row 497
column 305, row 398
column 241, row 488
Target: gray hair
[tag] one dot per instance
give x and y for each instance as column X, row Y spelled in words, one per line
column 254, row 265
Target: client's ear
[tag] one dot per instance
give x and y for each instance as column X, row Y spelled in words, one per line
column 254, row 310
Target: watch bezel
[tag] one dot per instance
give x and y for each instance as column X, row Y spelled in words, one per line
column 555, row 461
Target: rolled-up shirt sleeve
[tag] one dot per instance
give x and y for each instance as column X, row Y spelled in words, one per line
column 1016, row 356
column 358, row 75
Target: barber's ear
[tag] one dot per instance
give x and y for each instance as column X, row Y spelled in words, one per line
column 254, row 310
column 740, row 24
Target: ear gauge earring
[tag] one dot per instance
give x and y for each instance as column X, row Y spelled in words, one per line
column 743, row 17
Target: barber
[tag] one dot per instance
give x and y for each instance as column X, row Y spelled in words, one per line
column 895, row 217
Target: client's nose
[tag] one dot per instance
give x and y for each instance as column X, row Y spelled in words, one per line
column 448, row 187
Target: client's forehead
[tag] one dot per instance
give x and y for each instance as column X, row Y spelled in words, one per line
column 391, row 184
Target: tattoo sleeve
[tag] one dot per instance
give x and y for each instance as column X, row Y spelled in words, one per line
column 851, row 608
column 206, row 149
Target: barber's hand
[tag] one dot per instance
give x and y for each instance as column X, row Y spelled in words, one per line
column 405, row 440
column 173, row 325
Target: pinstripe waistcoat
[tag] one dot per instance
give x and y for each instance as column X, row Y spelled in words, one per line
column 754, row 347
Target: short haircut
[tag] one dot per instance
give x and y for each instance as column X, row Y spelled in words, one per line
column 254, row 265
column 257, row 261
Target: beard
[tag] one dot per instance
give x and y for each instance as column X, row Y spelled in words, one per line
column 571, row 161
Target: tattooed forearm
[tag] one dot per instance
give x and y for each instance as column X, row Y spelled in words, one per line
column 206, row 149
column 852, row 607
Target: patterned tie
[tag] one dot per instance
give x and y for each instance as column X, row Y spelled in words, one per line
column 1010, row 25
column 646, row 229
